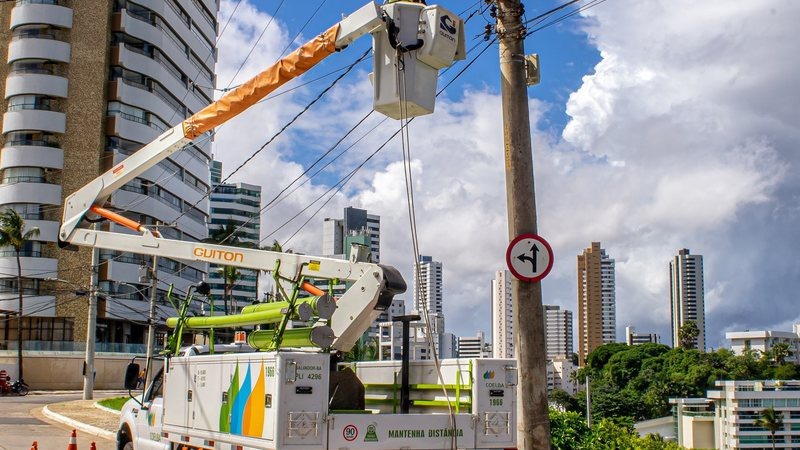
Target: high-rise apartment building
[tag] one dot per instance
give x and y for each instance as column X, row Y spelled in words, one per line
column 428, row 285
column 235, row 207
column 558, row 332
column 558, row 323
column 428, row 303
column 87, row 83
column 502, row 320
column 356, row 227
column 687, row 298
column 597, row 317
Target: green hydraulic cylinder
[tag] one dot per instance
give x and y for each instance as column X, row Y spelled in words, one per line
column 323, row 307
column 320, row 336
column 274, row 315
column 263, row 313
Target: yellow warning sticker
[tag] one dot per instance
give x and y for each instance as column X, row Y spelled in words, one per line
column 313, row 265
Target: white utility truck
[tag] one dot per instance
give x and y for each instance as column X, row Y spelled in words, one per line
column 283, row 387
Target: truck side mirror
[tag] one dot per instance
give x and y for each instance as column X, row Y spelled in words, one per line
column 131, row 376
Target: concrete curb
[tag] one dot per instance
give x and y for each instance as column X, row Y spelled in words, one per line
column 78, row 425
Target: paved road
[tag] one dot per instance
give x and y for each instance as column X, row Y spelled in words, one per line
column 21, row 423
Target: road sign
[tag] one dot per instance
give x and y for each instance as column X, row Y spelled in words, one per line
column 529, row 257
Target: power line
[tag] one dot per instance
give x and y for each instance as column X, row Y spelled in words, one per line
column 255, row 44
column 278, row 133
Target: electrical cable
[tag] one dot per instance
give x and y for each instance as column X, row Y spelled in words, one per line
column 255, row 44
column 560, row 19
column 405, row 140
column 279, row 132
column 276, row 200
column 551, row 11
column 302, row 28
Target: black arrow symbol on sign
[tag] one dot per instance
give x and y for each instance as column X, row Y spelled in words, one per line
column 531, row 259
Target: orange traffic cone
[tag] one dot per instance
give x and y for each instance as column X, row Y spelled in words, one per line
column 35, row 446
column 73, row 441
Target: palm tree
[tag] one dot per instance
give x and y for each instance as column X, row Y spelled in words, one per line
column 230, row 275
column 13, row 234
column 770, row 421
column 228, row 234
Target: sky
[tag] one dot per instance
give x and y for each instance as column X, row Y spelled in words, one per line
column 658, row 125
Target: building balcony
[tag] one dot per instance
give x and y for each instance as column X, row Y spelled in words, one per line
column 33, row 305
column 34, row 13
column 48, row 229
column 165, row 39
column 26, row 191
column 31, row 156
column 131, row 57
column 32, row 266
column 37, row 48
column 131, row 127
column 32, row 83
column 144, row 98
column 34, row 119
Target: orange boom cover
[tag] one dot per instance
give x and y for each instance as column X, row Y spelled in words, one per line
column 249, row 93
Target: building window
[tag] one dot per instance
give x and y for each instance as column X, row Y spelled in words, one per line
column 37, row 66
column 31, row 102
column 33, row 138
column 37, row 32
column 14, row 175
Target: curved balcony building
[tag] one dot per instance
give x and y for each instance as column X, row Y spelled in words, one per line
column 85, row 84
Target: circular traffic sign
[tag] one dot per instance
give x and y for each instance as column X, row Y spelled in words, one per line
column 529, row 257
column 350, row 433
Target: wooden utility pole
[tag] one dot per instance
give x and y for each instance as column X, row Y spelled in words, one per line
column 533, row 425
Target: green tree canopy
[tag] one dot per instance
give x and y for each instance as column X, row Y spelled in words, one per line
column 568, row 431
column 637, row 382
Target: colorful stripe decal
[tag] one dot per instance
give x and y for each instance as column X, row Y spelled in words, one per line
column 239, row 403
column 254, row 409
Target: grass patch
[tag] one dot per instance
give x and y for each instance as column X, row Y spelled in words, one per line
column 114, row 402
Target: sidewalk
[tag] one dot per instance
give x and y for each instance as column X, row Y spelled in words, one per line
column 85, row 416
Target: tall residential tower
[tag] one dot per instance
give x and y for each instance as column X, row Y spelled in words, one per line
column 558, row 332
column 356, row 227
column 85, row 84
column 235, row 207
column 597, row 317
column 428, row 298
column 502, row 327
column 687, row 299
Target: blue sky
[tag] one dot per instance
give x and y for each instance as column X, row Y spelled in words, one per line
column 659, row 125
